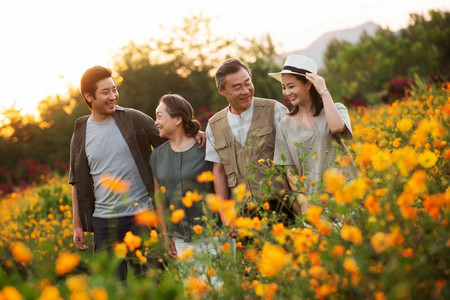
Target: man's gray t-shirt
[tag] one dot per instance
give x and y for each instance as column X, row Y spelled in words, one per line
column 108, row 154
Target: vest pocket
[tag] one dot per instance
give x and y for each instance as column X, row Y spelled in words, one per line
column 223, row 148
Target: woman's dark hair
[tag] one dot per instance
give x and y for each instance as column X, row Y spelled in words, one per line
column 317, row 102
column 177, row 106
column 89, row 81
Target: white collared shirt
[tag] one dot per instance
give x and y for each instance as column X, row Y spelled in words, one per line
column 240, row 125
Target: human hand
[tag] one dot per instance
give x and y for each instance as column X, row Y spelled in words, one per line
column 200, row 137
column 318, row 82
column 78, row 239
column 172, row 250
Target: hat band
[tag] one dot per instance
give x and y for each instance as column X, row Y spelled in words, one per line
column 296, row 70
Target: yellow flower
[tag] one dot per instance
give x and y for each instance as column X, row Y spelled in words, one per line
column 10, row 293
column 114, row 184
column 77, row 283
column 147, row 218
column 66, row 262
column 120, row 250
column 206, row 176
column 273, row 259
column 153, row 236
column 229, row 213
column 404, row 125
column 198, row 229
column 213, row 202
column 177, row 216
column 240, row 192
column 21, row 253
column 261, row 161
column 333, row 180
column 406, row 159
column 132, row 241
column 313, row 214
column 380, row 242
column 382, row 160
column 427, row 159
column 191, row 197
column 188, row 254
column 352, row 234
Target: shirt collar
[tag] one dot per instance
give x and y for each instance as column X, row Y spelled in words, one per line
column 244, row 114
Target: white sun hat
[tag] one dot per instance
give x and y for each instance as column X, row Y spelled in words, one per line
column 296, row 64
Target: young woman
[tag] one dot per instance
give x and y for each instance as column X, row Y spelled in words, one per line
column 176, row 165
column 309, row 138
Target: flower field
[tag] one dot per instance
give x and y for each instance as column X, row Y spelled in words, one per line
column 384, row 235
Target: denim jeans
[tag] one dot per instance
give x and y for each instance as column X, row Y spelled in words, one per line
column 109, row 232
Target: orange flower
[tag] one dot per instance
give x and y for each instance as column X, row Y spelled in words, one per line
column 66, row 262
column 114, row 184
column 177, row 216
column 206, row 176
column 278, row 229
column 337, row 250
column 120, row 250
column 251, row 254
column 198, row 229
column 147, row 218
column 239, row 245
column 382, row 160
column 141, row 257
column 196, row 286
column 266, row 205
column 372, row 205
column 229, row 213
column 323, row 227
column 273, row 259
column 408, row 252
column 21, row 253
column 191, row 197
column 396, row 237
column 432, row 205
column 132, row 241
column 313, row 214
column 225, row 247
column 50, row 293
column 350, row 265
column 352, row 234
column 10, row 293
column 99, row 294
column 380, row 242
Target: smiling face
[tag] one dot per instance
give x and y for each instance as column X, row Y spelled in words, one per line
column 104, row 103
column 295, row 90
column 238, row 90
column 164, row 122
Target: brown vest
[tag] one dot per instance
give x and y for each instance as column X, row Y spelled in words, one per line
column 241, row 161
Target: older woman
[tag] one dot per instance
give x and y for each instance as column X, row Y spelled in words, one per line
column 176, row 165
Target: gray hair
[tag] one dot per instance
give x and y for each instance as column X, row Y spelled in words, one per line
column 229, row 66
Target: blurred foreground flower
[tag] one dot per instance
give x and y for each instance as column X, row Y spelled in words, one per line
column 114, row 184
column 147, row 218
column 132, row 241
column 206, row 176
column 66, row 262
column 177, row 216
column 273, row 259
column 21, row 253
column 120, row 250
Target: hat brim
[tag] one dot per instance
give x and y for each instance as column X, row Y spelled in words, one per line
column 278, row 76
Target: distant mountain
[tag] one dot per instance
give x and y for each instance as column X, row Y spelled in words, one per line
column 317, row 48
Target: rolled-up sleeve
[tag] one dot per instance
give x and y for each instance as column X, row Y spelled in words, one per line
column 211, row 152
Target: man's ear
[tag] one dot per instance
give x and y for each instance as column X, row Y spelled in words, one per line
column 221, row 91
column 88, row 97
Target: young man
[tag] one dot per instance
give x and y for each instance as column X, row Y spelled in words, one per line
column 242, row 133
column 113, row 141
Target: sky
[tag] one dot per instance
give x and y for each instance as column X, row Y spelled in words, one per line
column 46, row 45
